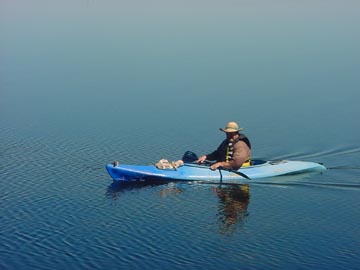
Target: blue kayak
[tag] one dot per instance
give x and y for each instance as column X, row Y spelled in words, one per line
column 196, row 172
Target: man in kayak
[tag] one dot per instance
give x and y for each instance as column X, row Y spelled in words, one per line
column 234, row 152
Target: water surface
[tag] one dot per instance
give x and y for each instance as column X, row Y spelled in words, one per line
column 83, row 83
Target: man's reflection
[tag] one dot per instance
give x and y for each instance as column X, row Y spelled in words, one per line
column 234, row 201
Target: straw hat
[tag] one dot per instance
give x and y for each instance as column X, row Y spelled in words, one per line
column 231, row 127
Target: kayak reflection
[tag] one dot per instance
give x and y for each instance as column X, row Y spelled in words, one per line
column 234, row 201
column 116, row 188
column 232, row 206
column 170, row 190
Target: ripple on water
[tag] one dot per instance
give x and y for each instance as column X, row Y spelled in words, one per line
column 62, row 210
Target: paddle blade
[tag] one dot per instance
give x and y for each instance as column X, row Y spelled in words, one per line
column 189, row 157
column 243, row 175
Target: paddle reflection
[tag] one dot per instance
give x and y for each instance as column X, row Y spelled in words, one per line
column 234, row 201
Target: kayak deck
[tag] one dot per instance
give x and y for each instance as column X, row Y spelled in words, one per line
column 196, row 172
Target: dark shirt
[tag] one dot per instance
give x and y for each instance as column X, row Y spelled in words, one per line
column 220, row 153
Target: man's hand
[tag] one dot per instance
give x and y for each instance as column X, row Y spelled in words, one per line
column 201, row 159
column 216, row 165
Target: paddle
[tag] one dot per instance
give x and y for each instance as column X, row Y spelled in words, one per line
column 191, row 157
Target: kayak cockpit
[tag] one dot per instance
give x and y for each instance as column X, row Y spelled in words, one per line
column 257, row 162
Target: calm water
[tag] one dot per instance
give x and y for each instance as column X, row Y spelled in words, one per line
column 83, row 83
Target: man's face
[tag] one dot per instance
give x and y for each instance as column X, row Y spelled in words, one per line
column 230, row 135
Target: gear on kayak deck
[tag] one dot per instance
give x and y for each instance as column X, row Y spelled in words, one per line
column 164, row 164
column 115, row 163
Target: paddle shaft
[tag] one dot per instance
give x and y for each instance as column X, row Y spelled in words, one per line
column 220, row 169
column 190, row 156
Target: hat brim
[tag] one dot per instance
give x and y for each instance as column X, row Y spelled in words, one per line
column 226, row 130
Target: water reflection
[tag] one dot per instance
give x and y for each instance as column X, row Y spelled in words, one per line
column 171, row 190
column 233, row 205
column 233, row 200
column 117, row 188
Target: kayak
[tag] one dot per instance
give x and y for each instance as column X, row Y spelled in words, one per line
column 203, row 173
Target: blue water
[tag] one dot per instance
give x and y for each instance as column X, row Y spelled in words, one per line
column 83, row 83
